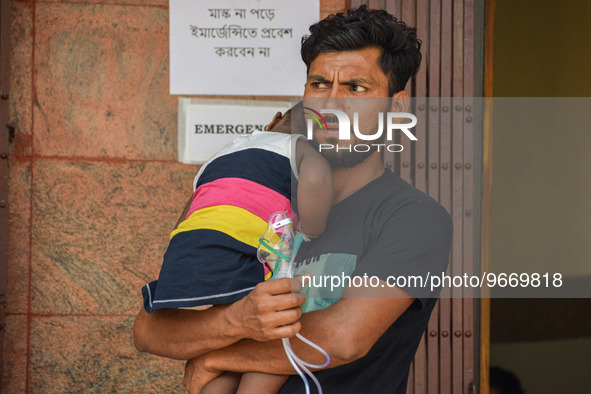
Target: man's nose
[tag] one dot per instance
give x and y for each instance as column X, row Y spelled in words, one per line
column 337, row 99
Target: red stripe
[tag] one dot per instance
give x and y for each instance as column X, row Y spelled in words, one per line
column 255, row 198
column 321, row 117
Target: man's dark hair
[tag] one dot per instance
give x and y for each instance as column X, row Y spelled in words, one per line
column 505, row 381
column 363, row 28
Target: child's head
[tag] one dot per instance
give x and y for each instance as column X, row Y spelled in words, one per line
column 283, row 123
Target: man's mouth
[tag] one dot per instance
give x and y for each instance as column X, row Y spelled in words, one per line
column 332, row 130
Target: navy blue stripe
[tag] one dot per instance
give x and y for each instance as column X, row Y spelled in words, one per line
column 204, row 245
column 264, row 167
column 175, row 303
column 203, row 263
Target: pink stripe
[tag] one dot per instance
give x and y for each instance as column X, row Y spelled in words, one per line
column 242, row 193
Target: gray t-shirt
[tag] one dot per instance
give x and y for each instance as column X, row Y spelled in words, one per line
column 387, row 228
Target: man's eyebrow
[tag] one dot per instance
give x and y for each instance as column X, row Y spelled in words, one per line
column 318, row 78
column 357, row 81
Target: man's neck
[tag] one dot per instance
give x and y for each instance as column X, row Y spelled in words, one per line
column 347, row 181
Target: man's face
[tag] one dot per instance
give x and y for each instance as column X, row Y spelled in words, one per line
column 347, row 81
column 347, row 74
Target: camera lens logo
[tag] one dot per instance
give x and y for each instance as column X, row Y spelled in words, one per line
column 316, row 117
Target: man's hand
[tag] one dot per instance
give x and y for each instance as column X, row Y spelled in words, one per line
column 197, row 376
column 272, row 310
column 269, row 312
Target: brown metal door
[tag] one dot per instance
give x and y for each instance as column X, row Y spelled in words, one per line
column 445, row 167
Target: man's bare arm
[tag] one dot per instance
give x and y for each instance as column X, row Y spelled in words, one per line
column 268, row 312
column 346, row 330
column 173, row 333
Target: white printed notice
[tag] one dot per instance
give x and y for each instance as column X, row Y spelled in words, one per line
column 206, row 125
column 239, row 47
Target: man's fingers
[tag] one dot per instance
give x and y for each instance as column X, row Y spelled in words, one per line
column 289, row 301
column 279, row 303
column 282, row 302
column 280, row 286
column 287, row 331
column 296, row 283
column 283, row 318
column 276, row 286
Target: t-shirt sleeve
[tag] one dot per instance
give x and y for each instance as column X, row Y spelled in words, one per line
column 410, row 245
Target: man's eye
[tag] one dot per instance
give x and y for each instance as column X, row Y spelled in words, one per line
column 358, row 88
column 319, row 85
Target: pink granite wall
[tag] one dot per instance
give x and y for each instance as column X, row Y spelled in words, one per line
column 95, row 188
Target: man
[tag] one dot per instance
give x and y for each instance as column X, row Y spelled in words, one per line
column 379, row 225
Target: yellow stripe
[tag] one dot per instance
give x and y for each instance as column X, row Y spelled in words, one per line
column 238, row 223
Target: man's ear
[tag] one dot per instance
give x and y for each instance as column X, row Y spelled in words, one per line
column 276, row 119
column 400, row 102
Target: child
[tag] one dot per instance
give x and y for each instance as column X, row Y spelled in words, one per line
column 212, row 255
